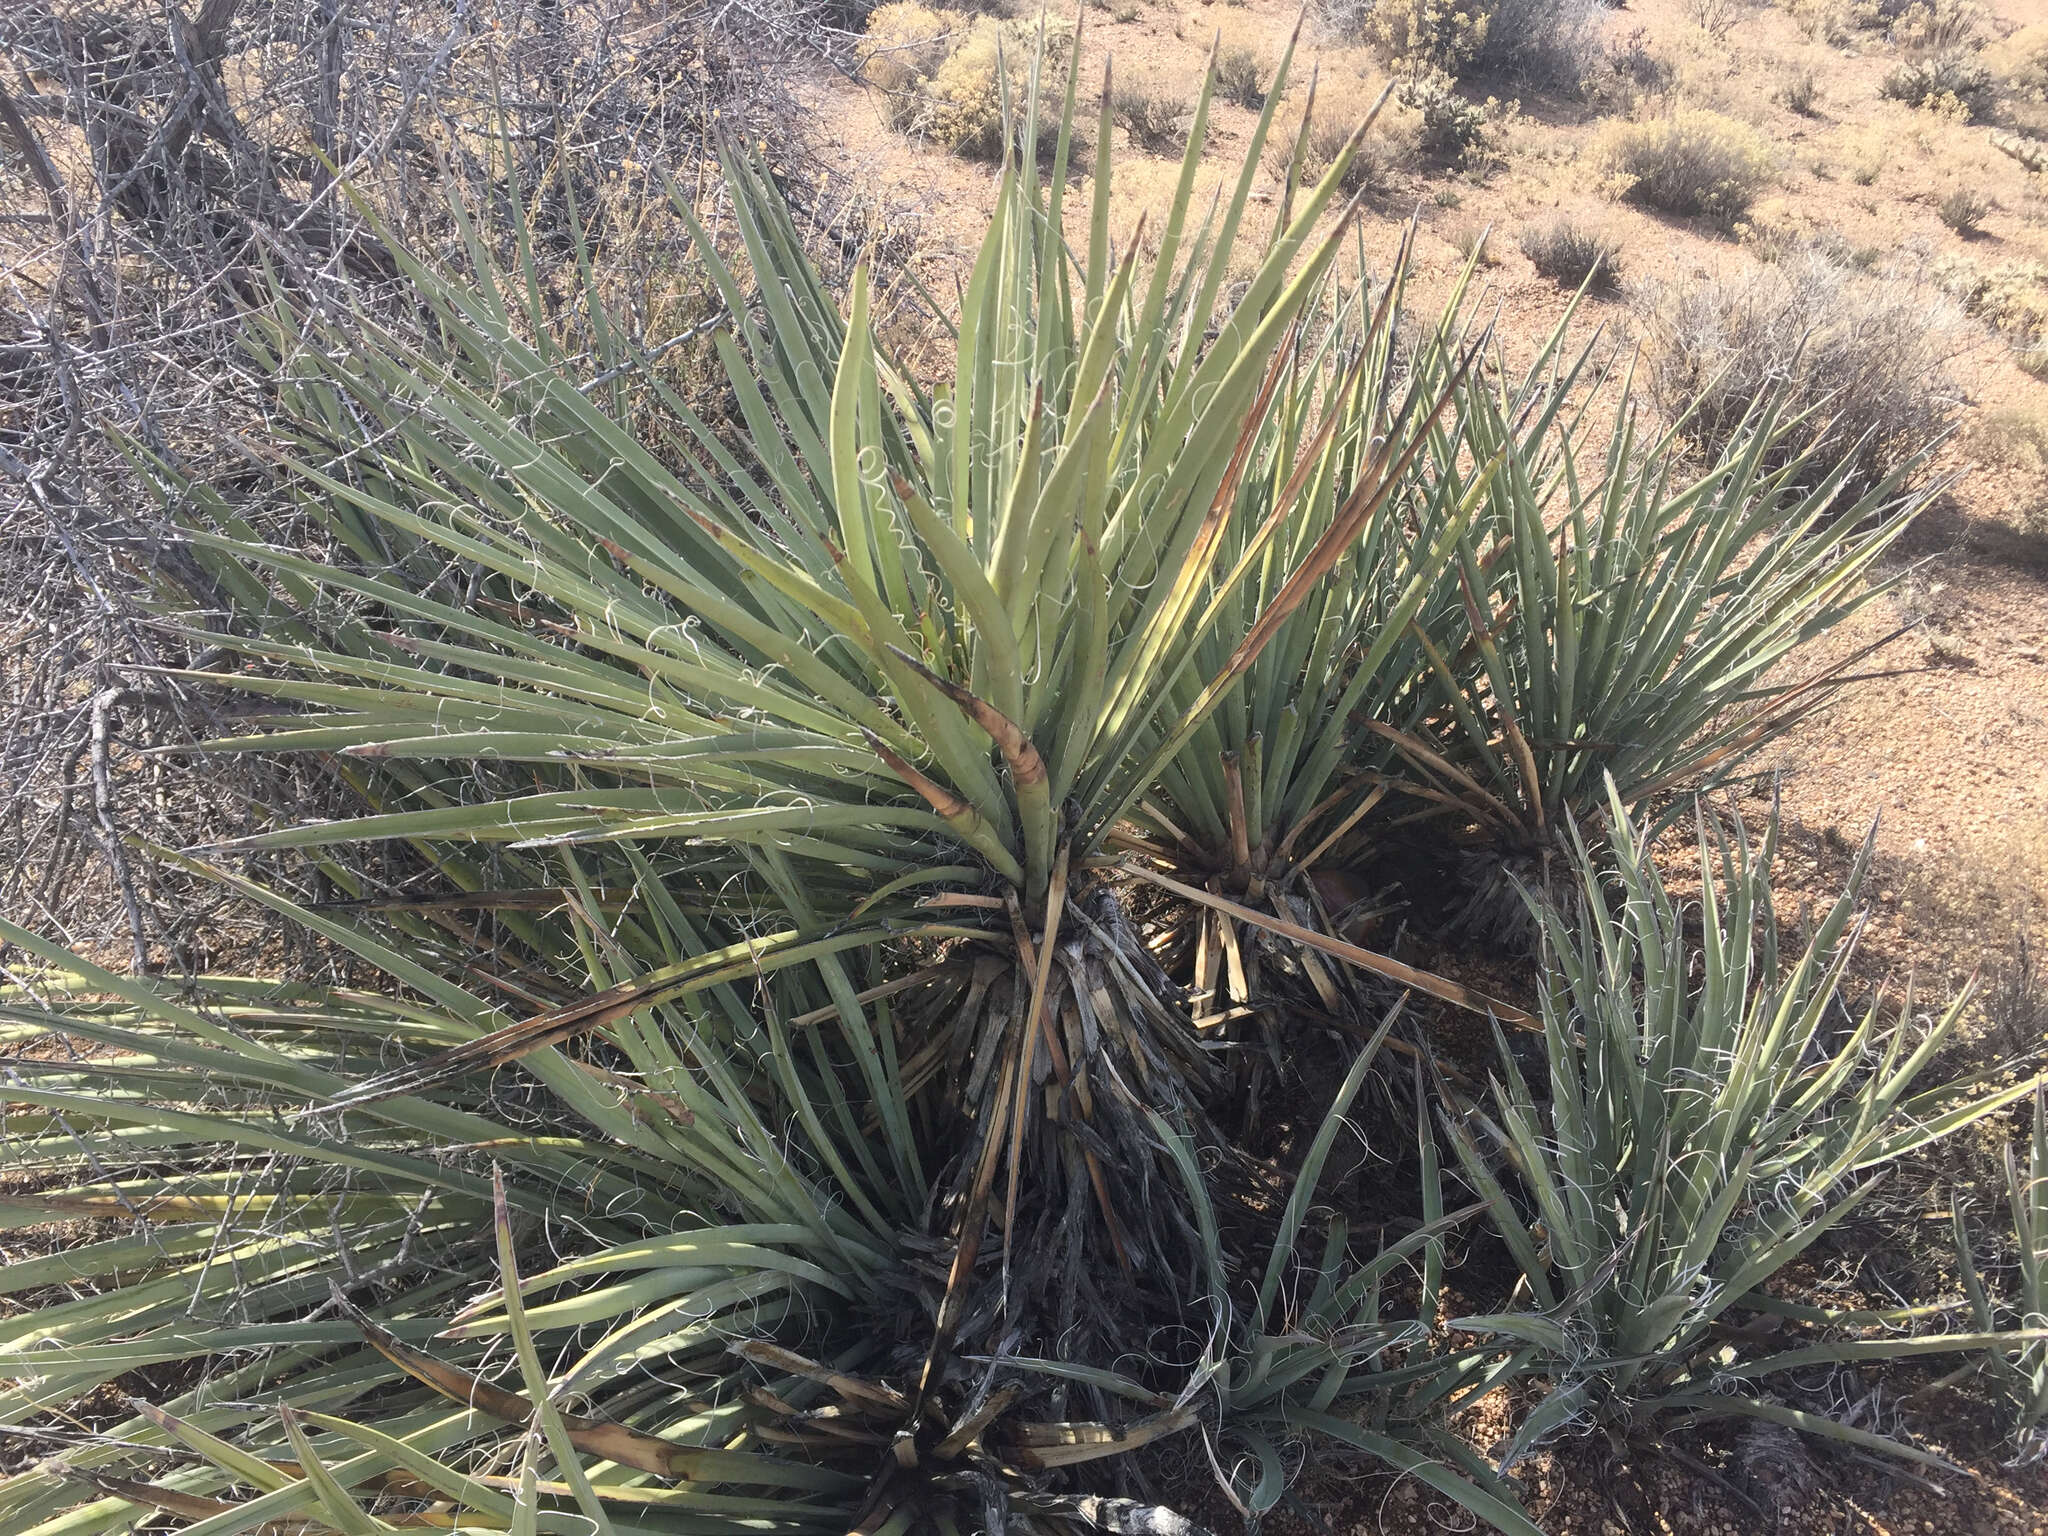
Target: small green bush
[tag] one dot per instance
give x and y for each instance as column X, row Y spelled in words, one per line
column 1451, row 125
column 1694, row 162
column 1954, row 81
column 1241, row 75
column 1799, row 92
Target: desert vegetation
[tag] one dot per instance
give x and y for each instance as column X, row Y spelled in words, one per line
column 926, row 769
column 1572, row 252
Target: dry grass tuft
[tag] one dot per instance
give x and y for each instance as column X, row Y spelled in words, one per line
column 1799, row 91
column 1962, row 209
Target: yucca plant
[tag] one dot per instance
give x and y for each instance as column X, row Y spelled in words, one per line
column 896, row 646
column 1621, row 614
column 1272, row 785
column 765, row 964
column 270, row 1263
column 2023, row 1372
column 1707, row 1117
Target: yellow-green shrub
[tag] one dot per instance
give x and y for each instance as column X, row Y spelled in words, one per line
column 943, row 71
column 905, row 44
column 1952, row 81
column 1692, row 162
column 1413, row 35
column 2022, row 62
column 2011, row 298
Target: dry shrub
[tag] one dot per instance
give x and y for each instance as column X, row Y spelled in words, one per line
column 1694, row 162
column 964, row 98
column 1395, row 141
column 1952, row 81
column 2021, row 63
column 2017, row 442
column 905, row 44
column 1907, row 23
column 1547, row 42
column 1244, row 64
column 945, row 72
column 1716, row 18
column 179, row 143
column 1569, row 251
column 1541, row 41
column 1473, row 240
column 1154, row 111
column 1870, row 355
column 1627, row 75
column 1825, row 21
column 1929, row 25
column 2011, row 298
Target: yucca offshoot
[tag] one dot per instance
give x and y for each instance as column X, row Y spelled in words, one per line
column 1625, row 614
column 1711, row 1114
column 1269, row 782
column 2023, row 1303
